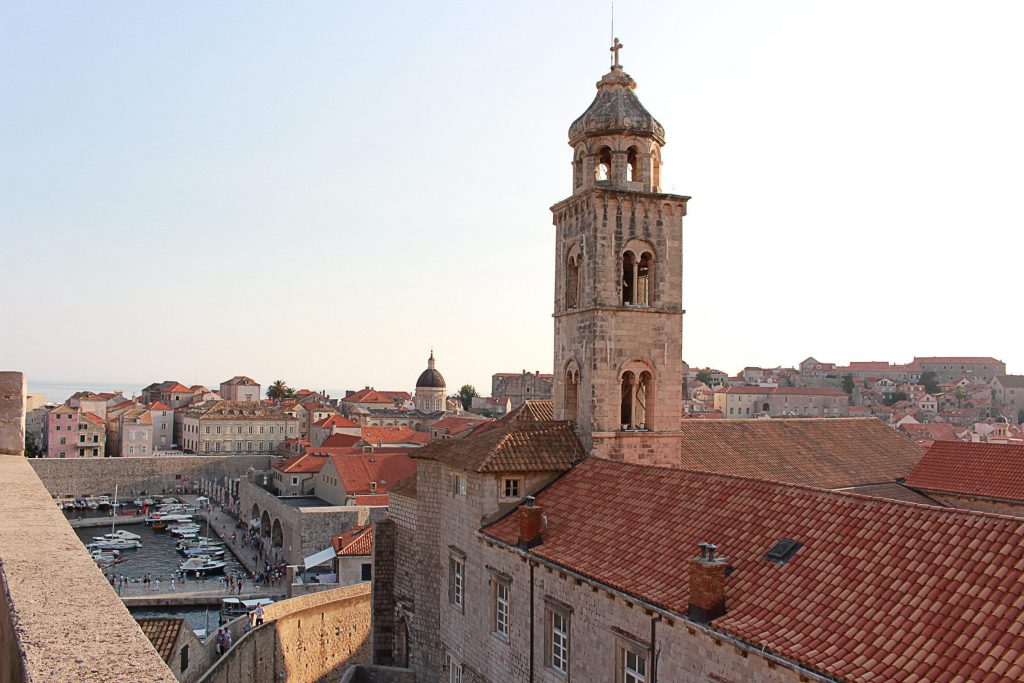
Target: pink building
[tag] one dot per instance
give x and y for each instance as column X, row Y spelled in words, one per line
column 71, row 433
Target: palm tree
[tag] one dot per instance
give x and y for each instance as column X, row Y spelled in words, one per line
column 277, row 390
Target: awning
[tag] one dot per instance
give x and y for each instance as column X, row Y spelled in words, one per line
column 319, row 558
column 254, row 522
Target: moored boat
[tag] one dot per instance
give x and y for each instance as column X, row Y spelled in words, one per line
column 202, row 563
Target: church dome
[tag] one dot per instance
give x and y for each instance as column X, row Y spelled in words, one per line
column 616, row 110
column 430, row 378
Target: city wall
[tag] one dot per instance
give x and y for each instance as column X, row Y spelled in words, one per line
column 59, row 618
column 304, row 640
column 94, row 476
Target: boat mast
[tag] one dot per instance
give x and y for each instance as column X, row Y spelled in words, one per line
column 113, row 517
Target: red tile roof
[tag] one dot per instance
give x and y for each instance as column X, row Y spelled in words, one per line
column 335, row 421
column 879, row 591
column 159, row 405
column 825, row 452
column 307, row 463
column 357, row 541
column 176, row 388
column 356, row 472
column 341, row 441
column 369, row 395
column 990, row 470
column 389, row 434
column 373, row 499
column 958, row 360
column 163, row 633
column 454, row 425
column 95, row 419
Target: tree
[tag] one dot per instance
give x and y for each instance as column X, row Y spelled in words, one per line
column 930, row 382
column 848, row 384
column 895, row 397
column 278, row 390
column 704, row 375
column 31, row 449
column 466, row 395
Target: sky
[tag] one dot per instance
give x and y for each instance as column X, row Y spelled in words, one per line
column 321, row 192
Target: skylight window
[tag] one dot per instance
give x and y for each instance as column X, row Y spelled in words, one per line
column 782, row 551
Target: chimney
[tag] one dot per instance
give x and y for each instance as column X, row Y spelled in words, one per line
column 531, row 522
column 707, row 584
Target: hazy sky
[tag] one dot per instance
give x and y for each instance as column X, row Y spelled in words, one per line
column 321, row 192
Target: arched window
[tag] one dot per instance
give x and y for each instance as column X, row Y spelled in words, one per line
column 572, row 384
column 572, row 279
column 603, row 169
column 764, row 408
column 643, row 394
column 631, row 166
column 628, row 277
column 577, row 170
column 655, row 169
column 626, row 403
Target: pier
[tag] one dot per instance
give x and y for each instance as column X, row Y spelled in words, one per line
column 88, row 522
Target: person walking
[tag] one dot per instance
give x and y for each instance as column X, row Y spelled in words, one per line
column 227, row 639
column 156, row 585
column 259, row 614
column 173, row 587
column 220, row 642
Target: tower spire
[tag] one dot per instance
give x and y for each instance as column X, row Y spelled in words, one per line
column 616, row 46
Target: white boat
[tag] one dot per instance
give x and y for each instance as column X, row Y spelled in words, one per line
column 119, row 535
column 185, row 529
column 104, row 557
column 202, row 563
column 198, row 540
column 199, row 551
column 114, row 545
column 169, row 518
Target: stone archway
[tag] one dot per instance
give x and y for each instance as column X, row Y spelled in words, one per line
column 402, row 643
column 265, row 525
column 255, row 513
column 277, row 534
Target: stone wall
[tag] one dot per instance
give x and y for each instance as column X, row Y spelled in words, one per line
column 303, row 640
column 59, row 618
column 79, row 477
column 362, row 673
column 12, row 413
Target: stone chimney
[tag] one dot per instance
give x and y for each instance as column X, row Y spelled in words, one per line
column 707, row 584
column 531, row 523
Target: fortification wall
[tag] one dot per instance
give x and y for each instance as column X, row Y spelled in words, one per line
column 89, row 476
column 304, row 640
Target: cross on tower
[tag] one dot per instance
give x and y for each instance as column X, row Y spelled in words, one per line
column 615, row 48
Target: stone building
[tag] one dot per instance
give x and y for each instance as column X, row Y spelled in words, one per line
column 618, row 369
column 364, row 479
column 186, row 656
column 745, row 402
column 71, row 433
column 1008, row 394
column 520, row 387
column 954, row 368
column 430, row 389
column 240, row 388
column 239, row 427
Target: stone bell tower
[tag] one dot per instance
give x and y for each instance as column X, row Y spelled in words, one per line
column 618, row 283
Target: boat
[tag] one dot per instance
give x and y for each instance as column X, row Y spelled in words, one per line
column 114, row 545
column 202, row 563
column 119, row 535
column 185, row 529
column 204, row 550
column 198, row 540
column 101, row 556
column 172, row 518
column 159, row 525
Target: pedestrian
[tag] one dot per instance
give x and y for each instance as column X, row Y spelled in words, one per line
column 259, row 614
column 227, row 640
column 156, row 585
column 173, row 587
column 239, row 586
column 220, row 642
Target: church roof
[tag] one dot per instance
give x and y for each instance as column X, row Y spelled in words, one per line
column 616, row 109
column 430, row 379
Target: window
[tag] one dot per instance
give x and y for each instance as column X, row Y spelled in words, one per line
column 143, row 450
column 556, row 650
column 238, row 447
column 208, row 429
column 131, row 450
column 250, row 429
column 511, row 488
column 366, row 572
column 454, row 669
column 634, row 666
column 218, row 429
column 501, row 589
column 81, row 438
column 459, row 485
column 572, row 279
column 63, row 440
column 206, row 447
column 456, row 578
column 295, row 481
column 261, row 429
column 260, row 444
column 217, row 447
column 184, row 658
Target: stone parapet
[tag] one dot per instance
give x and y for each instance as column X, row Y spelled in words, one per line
column 60, row 620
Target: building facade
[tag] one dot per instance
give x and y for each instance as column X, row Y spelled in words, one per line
column 520, row 387
column 746, row 402
column 430, row 389
column 233, row 427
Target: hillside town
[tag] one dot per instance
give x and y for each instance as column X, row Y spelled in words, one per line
column 620, row 515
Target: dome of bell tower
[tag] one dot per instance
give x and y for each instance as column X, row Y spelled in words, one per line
column 616, row 110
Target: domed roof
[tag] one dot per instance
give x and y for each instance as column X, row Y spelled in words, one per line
column 616, row 109
column 430, row 378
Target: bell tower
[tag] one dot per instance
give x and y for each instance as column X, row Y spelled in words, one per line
column 618, row 283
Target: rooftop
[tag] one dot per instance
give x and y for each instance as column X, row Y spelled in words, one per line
column 163, row 633
column 825, row 452
column 880, row 590
column 989, row 470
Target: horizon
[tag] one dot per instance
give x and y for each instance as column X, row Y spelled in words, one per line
column 323, row 193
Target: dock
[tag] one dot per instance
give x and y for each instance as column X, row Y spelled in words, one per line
column 192, row 598
column 89, row 522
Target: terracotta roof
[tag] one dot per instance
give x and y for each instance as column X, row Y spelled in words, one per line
column 935, row 431
column 372, row 499
column 158, row 405
column 535, row 410
column 422, row 438
column 454, row 425
column 335, row 421
column 175, row 388
column 955, row 360
column 95, row 419
column 163, row 633
column 825, row 452
column 406, row 487
column 786, row 391
column 307, row 463
column 234, row 410
column 878, row 591
column 990, row 470
column 388, row 434
column 341, row 441
column 241, row 380
column 369, row 395
column 356, row 472
column 511, row 444
column 356, row 541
